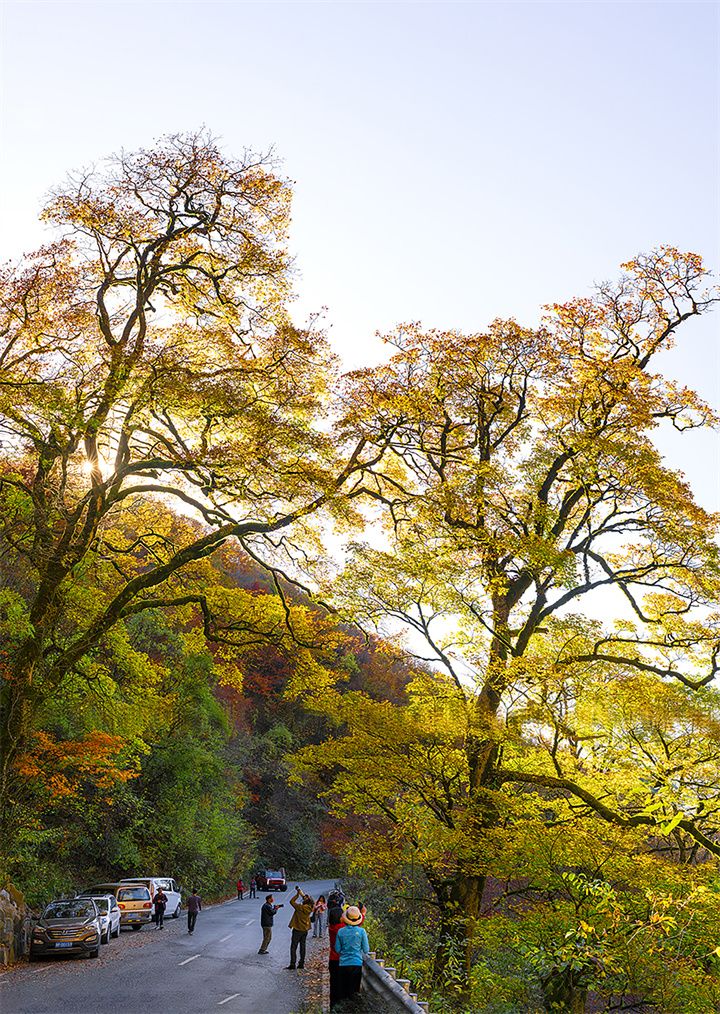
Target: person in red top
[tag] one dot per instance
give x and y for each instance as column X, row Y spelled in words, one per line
column 335, row 923
column 240, row 889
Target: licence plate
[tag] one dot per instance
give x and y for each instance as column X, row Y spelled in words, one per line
column 64, row 943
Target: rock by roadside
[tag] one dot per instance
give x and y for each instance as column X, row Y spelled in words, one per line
column 16, row 922
column 15, row 925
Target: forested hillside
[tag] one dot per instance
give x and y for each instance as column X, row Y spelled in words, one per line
column 168, row 753
column 451, row 620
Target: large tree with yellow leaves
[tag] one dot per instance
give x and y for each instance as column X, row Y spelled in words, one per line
column 551, row 570
column 148, row 361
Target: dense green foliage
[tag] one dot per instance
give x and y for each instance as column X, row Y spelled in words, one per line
column 168, row 755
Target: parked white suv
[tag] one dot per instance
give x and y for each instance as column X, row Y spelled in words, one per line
column 171, row 889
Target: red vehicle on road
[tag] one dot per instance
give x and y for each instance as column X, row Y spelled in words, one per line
column 272, row 880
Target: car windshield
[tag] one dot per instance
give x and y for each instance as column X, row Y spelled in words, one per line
column 69, row 910
column 133, row 894
column 166, row 885
column 274, row 875
column 102, row 903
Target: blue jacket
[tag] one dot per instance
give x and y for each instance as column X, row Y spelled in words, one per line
column 351, row 943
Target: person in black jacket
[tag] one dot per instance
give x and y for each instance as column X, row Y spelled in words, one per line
column 160, row 903
column 267, row 916
column 194, row 906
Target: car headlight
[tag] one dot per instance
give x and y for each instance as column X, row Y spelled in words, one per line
column 90, row 935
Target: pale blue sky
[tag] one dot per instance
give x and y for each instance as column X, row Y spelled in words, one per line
column 453, row 162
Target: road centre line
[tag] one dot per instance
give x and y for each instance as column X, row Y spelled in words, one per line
column 227, row 999
column 225, row 938
column 188, row 959
column 249, row 922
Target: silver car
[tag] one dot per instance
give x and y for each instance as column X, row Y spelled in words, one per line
column 109, row 911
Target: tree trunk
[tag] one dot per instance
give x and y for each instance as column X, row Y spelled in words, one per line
column 461, row 897
column 460, row 901
column 17, row 708
column 562, row 994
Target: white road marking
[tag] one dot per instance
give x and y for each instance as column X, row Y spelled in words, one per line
column 227, row 999
column 189, row 959
column 249, row 922
column 225, row 938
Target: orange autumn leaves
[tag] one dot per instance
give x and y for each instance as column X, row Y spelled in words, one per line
column 65, row 768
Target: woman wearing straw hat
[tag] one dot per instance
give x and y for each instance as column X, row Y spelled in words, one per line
column 351, row 943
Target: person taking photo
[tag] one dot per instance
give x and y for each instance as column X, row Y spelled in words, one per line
column 267, row 917
column 300, row 926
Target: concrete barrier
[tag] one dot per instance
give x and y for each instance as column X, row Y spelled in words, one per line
column 381, row 981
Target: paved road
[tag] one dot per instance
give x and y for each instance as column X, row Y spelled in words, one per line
column 217, row 969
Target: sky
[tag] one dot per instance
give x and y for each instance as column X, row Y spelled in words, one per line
column 452, row 162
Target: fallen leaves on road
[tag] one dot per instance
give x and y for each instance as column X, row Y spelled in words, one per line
column 316, row 978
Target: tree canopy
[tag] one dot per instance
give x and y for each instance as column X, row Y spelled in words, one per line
column 177, row 452
column 558, row 578
column 149, row 359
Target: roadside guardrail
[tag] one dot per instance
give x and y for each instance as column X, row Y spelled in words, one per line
column 383, row 982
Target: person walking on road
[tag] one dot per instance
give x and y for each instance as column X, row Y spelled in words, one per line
column 253, row 888
column 319, row 917
column 351, row 944
column 194, row 906
column 300, row 926
column 160, row 903
column 240, row 889
column 267, row 917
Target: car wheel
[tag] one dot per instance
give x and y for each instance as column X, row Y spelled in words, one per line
column 95, row 953
column 116, row 934
column 176, row 913
column 107, row 937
